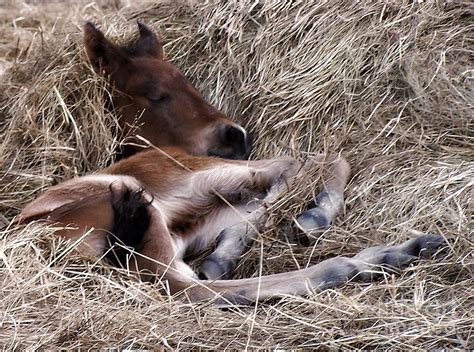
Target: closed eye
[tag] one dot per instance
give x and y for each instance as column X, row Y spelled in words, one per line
column 158, row 99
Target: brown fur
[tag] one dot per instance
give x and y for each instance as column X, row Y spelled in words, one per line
column 155, row 93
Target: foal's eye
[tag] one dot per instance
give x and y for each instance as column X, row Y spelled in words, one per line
column 158, row 99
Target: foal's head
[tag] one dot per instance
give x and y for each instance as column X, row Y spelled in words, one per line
column 169, row 110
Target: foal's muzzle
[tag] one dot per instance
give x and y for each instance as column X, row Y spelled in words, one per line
column 234, row 143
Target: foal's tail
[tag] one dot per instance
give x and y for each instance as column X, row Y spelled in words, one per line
column 104, row 206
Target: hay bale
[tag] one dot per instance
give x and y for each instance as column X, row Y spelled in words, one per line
column 390, row 85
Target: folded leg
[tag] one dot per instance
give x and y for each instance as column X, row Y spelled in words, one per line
column 236, row 238
column 330, row 201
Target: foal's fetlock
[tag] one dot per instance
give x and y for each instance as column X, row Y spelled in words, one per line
column 216, row 268
column 331, row 202
column 319, row 218
column 339, row 270
column 313, row 219
column 396, row 260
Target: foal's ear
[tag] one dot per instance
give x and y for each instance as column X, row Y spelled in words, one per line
column 104, row 56
column 148, row 43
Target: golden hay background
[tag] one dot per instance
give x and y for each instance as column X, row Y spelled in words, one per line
column 388, row 84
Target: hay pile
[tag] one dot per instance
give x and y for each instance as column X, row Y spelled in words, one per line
column 390, row 85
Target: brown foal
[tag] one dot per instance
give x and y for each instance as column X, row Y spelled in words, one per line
column 186, row 194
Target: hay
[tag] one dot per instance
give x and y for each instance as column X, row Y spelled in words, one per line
column 389, row 84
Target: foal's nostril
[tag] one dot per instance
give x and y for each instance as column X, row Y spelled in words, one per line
column 236, row 138
column 234, row 135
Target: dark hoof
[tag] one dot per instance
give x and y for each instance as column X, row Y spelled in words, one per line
column 313, row 219
column 424, row 246
column 215, row 268
column 402, row 255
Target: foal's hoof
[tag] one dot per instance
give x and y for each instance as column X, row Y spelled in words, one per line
column 327, row 205
column 423, row 246
column 213, row 268
column 402, row 255
column 313, row 219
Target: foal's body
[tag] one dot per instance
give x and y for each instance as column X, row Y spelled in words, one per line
column 166, row 203
column 188, row 202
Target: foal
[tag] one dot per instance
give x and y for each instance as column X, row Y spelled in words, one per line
column 179, row 199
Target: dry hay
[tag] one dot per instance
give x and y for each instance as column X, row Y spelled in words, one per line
column 389, row 84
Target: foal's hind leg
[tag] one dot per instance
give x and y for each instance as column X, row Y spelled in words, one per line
column 365, row 266
column 330, row 201
column 231, row 243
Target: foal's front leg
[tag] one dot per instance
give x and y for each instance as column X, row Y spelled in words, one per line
column 330, row 201
column 233, row 240
column 231, row 243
